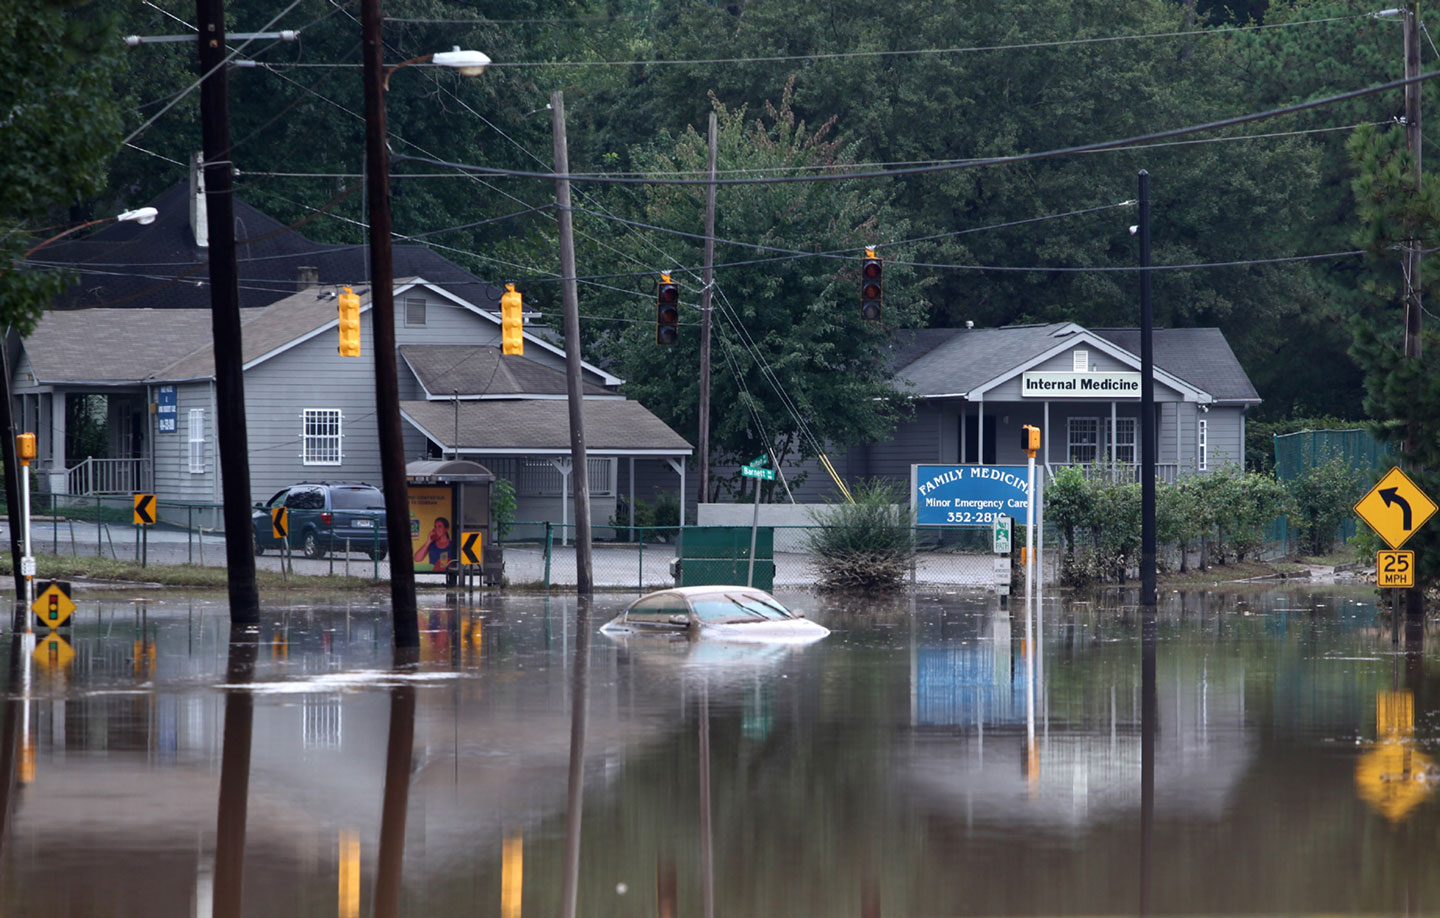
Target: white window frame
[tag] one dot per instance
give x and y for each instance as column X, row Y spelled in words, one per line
column 1126, row 439
column 411, row 303
column 1093, row 442
column 319, row 443
column 1202, row 445
column 195, row 434
column 1080, row 361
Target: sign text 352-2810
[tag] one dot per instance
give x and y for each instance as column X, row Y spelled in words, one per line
column 977, row 517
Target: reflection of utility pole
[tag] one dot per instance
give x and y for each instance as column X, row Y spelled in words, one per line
column 235, row 773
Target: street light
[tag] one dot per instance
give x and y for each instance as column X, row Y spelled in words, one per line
column 382, row 312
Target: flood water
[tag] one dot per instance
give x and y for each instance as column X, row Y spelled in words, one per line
column 1256, row 752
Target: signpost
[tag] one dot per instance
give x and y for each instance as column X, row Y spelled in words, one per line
column 1395, row 507
column 755, row 470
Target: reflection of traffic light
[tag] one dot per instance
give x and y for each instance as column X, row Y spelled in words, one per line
column 667, row 311
column 870, row 271
column 512, row 334
column 349, row 324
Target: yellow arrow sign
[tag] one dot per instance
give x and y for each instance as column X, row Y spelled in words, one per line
column 280, row 521
column 53, row 607
column 144, row 509
column 1395, row 508
column 470, row 543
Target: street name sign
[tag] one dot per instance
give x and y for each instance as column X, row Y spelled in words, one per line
column 470, row 543
column 144, row 509
column 1395, row 569
column 1395, row 507
column 53, row 606
column 750, row 471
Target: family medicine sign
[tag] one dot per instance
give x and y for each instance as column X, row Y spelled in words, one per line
column 968, row 495
column 1045, row 384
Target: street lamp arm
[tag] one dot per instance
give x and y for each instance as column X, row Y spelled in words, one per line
column 144, row 215
column 469, row 63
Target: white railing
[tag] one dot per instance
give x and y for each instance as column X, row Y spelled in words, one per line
column 108, row 476
column 1168, row 472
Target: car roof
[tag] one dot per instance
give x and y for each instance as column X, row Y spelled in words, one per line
column 688, row 591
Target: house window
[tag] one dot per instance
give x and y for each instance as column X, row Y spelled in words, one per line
column 1082, row 439
column 321, row 436
column 1125, row 440
column 414, row 310
column 1202, row 446
column 1081, row 361
column 197, row 440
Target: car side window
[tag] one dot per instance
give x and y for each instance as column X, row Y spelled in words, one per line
column 306, row 499
column 279, row 499
column 657, row 610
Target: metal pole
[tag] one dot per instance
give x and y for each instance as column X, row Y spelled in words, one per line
column 707, row 282
column 234, row 448
column 27, row 563
column 382, row 324
column 754, row 525
column 571, row 297
column 13, row 470
column 1147, row 408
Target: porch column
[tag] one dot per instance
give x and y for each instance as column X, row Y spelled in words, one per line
column 563, row 466
column 632, row 497
column 1045, row 436
column 1114, row 453
column 58, row 477
column 980, row 430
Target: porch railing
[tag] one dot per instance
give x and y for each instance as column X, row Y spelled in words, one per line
column 1121, row 472
column 108, row 476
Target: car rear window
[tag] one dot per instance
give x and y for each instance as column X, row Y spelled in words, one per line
column 737, row 607
column 357, row 499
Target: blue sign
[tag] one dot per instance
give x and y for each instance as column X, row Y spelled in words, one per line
column 168, row 411
column 969, row 495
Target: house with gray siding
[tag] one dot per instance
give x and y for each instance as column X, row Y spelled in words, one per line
column 310, row 413
column 973, row 389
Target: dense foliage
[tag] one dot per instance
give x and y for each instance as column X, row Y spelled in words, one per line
column 867, row 544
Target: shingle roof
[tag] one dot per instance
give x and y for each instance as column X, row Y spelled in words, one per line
column 483, row 370
column 1200, row 356
column 962, row 360
column 159, row 266
column 528, row 425
column 113, row 345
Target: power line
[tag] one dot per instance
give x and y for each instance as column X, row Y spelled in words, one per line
column 605, row 178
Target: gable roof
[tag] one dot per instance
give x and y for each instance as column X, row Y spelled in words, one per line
column 158, row 266
column 483, row 371
column 505, row 427
column 966, row 362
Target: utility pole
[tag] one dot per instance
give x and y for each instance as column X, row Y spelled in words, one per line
column 382, row 324
column 1414, row 599
column 707, row 283
column 579, row 471
column 1147, row 409
column 234, row 447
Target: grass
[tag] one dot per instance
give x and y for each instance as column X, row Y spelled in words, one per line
column 193, row 576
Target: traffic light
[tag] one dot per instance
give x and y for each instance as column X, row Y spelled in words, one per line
column 1030, row 439
column 667, row 311
column 349, row 324
column 512, row 328
column 870, row 271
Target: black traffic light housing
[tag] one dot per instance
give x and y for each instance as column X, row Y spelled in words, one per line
column 667, row 311
column 871, row 270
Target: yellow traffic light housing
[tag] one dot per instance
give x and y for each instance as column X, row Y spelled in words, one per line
column 1030, row 440
column 512, row 327
column 871, row 270
column 349, row 324
column 25, row 448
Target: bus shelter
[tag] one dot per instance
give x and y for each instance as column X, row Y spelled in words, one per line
column 450, row 501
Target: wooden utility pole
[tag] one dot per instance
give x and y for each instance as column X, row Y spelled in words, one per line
column 707, row 284
column 234, row 446
column 1147, row 409
column 579, row 472
column 1414, row 599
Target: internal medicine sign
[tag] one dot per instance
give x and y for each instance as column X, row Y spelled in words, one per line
column 968, row 495
column 1043, row 384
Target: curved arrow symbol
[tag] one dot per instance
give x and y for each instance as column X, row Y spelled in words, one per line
column 1391, row 498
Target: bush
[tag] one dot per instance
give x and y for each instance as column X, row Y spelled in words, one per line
column 502, row 507
column 660, row 520
column 1322, row 498
column 866, row 545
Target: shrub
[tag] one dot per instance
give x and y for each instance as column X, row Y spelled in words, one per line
column 502, row 507
column 1322, row 498
column 866, row 545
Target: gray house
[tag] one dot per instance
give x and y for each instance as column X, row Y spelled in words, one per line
column 975, row 388
column 311, row 413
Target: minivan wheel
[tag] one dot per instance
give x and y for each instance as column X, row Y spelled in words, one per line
column 312, row 545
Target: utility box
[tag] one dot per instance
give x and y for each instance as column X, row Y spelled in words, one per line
column 448, row 499
column 720, row 555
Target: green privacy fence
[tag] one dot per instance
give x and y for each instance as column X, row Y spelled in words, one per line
column 1298, row 453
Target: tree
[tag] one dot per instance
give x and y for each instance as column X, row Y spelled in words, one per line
column 59, row 127
column 796, row 369
column 1322, row 497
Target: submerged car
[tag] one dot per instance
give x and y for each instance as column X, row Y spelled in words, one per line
column 725, row 613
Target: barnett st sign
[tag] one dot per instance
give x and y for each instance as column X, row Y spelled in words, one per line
column 968, row 495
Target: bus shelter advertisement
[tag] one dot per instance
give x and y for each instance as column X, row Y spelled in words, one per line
column 430, row 527
column 968, row 495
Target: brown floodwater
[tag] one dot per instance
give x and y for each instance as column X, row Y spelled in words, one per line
column 1244, row 752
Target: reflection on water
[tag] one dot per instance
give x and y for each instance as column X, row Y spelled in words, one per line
column 1257, row 752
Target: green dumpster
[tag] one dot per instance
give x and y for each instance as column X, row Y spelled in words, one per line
column 721, row 555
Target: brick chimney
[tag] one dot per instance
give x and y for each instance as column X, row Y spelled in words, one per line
column 307, row 276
